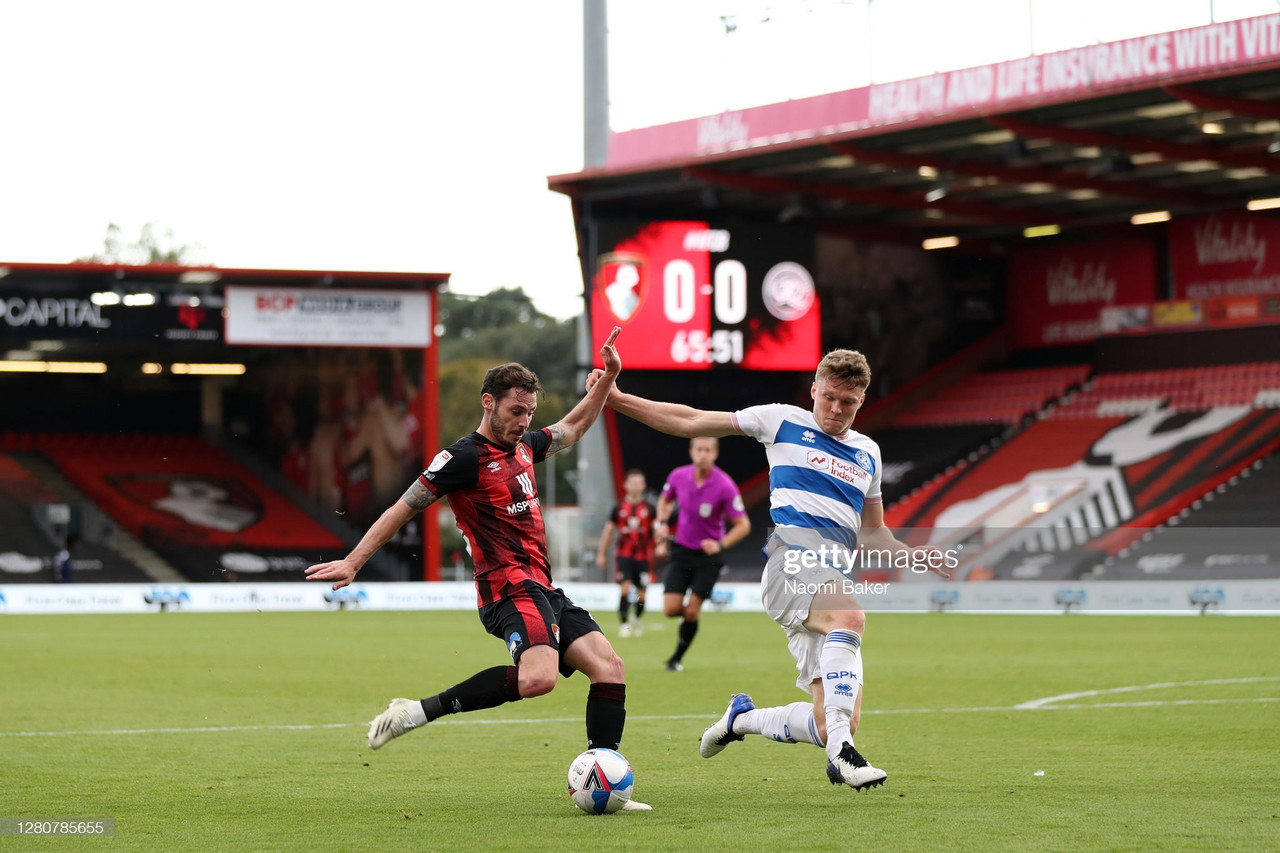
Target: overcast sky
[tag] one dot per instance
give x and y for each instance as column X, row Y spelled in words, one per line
column 418, row 136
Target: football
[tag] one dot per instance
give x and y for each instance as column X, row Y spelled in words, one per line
column 600, row 781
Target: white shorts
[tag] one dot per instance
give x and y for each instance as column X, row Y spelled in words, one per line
column 788, row 597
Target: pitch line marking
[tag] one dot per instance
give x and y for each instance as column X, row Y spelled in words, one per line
column 1045, row 704
column 1036, row 704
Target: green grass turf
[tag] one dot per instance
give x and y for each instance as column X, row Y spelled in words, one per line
column 938, row 716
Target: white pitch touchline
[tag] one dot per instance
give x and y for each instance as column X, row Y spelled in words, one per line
column 1026, row 706
column 1040, row 703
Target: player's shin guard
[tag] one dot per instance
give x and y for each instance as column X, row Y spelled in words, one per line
column 606, row 714
column 785, row 723
column 486, row 689
column 841, row 662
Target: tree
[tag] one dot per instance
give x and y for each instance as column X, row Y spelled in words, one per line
column 154, row 245
column 503, row 326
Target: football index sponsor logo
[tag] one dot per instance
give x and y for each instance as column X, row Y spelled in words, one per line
column 849, row 473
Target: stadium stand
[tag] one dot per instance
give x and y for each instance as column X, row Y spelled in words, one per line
column 26, row 545
column 207, row 515
column 913, row 456
column 1229, row 533
column 1094, row 474
column 1006, row 397
column 1188, row 389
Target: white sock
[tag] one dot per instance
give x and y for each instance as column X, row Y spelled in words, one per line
column 841, row 663
column 785, row 723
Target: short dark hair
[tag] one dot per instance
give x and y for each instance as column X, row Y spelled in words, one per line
column 501, row 379
column 845, row 367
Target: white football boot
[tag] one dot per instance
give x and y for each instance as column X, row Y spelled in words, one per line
column 720, row 734
column 391, row 723
column 850, row 768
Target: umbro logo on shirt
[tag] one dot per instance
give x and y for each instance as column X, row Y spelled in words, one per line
column 494, row 466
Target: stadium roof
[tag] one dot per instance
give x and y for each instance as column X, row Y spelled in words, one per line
column 1083, row 139
column 33, row 307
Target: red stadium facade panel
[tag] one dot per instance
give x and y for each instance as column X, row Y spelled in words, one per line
column 1018, row 84
column 1056, row 293
column 1225, row 255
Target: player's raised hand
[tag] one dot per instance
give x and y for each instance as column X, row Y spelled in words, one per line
column 609, row 355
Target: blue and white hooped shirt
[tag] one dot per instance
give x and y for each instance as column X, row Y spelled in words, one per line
column 817, row 483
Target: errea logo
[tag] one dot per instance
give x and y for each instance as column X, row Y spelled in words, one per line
column 809, row 436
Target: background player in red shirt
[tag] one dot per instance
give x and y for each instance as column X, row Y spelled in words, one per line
column 488, row 476
column 632, row 518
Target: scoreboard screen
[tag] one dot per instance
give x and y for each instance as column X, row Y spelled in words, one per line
column 695, row 296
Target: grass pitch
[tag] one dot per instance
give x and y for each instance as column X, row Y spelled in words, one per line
column 245, row 732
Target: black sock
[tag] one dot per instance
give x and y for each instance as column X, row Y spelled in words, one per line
column 606, row 714
column 623, row 607
column 687, row 630
column 639, row 608
column 486, row 689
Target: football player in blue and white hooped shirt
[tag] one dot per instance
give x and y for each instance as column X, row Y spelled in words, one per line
column 824, row 497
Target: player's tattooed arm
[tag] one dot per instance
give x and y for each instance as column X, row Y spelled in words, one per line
column 419, row 497
column 558, row 441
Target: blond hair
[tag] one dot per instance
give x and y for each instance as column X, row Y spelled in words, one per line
column 845, row 367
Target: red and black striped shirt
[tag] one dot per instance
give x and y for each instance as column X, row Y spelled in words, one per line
column 635, row 528
column 494, row 497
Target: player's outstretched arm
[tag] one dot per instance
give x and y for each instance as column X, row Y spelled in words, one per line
column 342, row 572
column 574, row 425
column 874, row 534
column 672, row 418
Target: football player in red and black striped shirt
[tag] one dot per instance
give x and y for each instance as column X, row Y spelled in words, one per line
column 632, row 518
column 488, row 476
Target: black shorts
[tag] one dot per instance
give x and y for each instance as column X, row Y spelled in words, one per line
column 533, row 615
column 692, row 570
column 631, row 569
